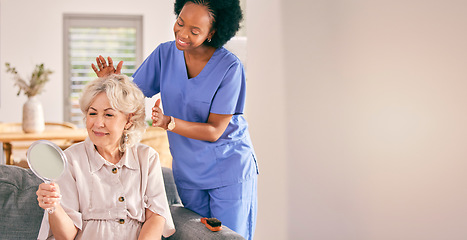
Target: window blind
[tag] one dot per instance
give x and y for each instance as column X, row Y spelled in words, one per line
column 84, row 44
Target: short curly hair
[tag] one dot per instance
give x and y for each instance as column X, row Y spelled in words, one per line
column 125, row 97
column 227, row 15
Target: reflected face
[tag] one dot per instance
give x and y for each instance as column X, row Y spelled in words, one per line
column 104, row 124
column 193, row 26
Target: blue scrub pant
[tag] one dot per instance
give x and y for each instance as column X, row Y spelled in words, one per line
column 234, row 205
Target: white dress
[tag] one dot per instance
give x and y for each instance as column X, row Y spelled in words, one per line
column 108, row 201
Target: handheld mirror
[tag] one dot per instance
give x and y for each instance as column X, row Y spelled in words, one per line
column 47, row 161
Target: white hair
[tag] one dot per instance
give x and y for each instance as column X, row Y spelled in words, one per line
column 123, row 96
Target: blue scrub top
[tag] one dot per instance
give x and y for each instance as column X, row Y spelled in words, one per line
column 219, row 88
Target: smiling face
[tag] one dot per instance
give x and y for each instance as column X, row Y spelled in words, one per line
column 104, row 124
column 193, row 26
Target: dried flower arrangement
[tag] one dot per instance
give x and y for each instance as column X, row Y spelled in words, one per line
column 39, row 77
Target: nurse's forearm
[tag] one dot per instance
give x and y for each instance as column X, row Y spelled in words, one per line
column 210, row 131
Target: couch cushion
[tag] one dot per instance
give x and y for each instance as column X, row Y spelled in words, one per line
column 188, row 226
column 170, row 188
column 20, row 216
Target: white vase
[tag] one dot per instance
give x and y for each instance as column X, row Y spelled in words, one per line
column 33, row 116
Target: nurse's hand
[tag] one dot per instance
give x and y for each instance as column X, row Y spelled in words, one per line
column 48, row 195
column 158, row 118
column 103, row 69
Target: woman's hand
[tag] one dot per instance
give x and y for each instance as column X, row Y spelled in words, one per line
column 158, row 118
column 48, row 195
column 103, row 69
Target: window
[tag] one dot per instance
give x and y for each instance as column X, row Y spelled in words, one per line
column 85, row 38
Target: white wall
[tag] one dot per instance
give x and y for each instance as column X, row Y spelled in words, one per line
column 357, row 112
column 31, row 32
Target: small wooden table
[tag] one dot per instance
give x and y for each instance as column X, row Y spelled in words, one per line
column 73, row 135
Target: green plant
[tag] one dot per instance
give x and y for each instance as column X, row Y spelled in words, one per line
column 36, row 83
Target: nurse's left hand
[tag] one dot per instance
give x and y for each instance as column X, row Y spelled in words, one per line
column 158, row 118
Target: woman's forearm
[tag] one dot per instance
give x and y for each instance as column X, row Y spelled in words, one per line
column 61, row 224
column 152, row 227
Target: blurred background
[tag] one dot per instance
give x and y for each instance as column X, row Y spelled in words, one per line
column 356, row 108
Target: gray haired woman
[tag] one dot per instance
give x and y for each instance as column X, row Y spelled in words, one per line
column 113, row 187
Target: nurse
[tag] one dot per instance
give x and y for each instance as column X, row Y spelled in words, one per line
column 202, row 88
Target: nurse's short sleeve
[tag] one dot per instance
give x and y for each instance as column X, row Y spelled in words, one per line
column 230, row 96
column 147, row 76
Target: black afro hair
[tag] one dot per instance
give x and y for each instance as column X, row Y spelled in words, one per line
column 227, row 16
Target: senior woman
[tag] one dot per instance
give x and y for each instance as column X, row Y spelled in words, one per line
column 113, row 187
